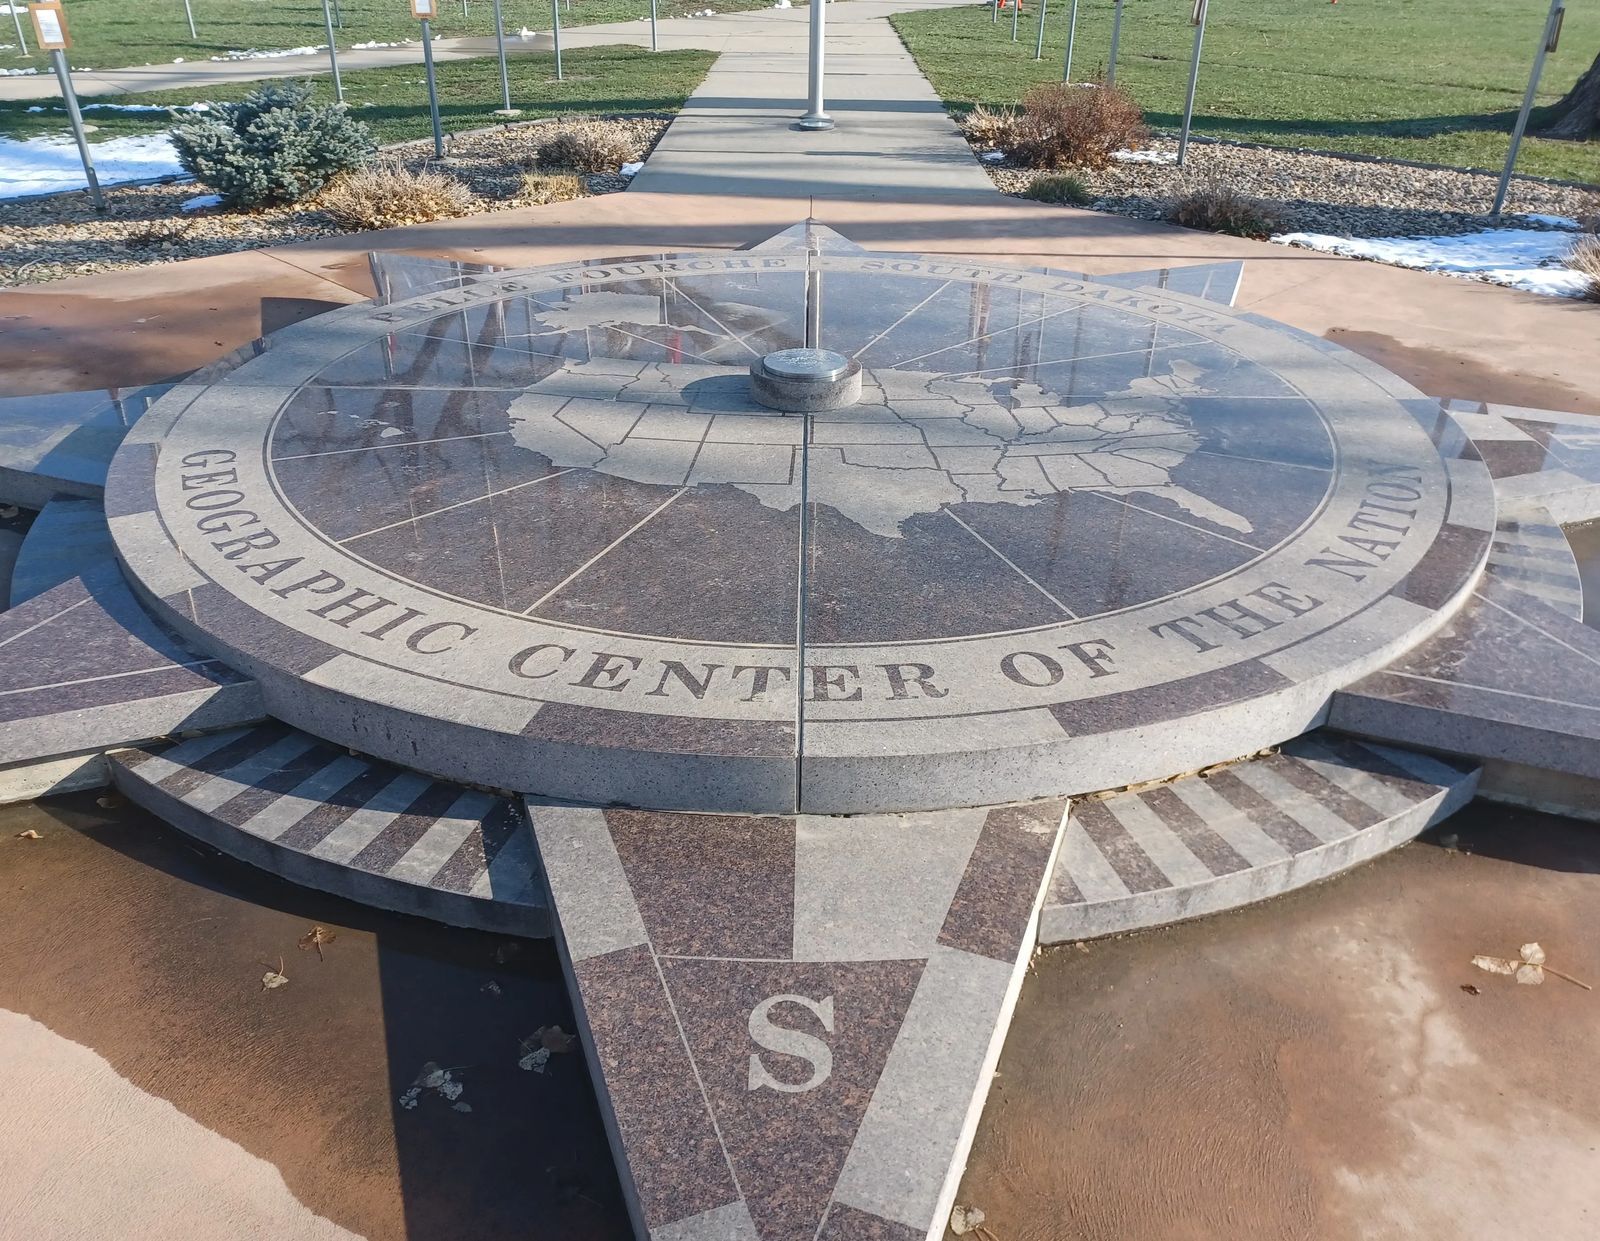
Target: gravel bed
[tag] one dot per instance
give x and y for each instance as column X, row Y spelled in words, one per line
column 1317, row 193
column 44, row 239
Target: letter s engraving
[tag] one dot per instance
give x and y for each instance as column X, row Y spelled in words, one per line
column 790, row 1042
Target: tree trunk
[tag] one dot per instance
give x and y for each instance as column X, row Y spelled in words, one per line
column 1578, row 113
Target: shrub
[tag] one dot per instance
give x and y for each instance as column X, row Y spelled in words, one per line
column 1585, row 260
column 1064, row 188
column 153, row 234
column 991, row 127
column 1077, row 126
column 275, row 146
column 1222, row 209
column 387, row 195
column 539, row 188
column 594, row 149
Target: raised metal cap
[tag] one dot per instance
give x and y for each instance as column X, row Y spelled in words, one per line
column 816, row 365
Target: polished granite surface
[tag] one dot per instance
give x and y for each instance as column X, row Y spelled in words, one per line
column 544, row 508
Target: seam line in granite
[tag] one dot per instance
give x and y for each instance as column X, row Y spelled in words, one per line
column 1486, row 689
column 406, row 521
column 862, row 352
column 443, row 439
column 55, row 616
column 694, row 1067
column 1523, row 620
column 1011, row 564
column 602, row 553
column 1178, row 521
column 111, row 676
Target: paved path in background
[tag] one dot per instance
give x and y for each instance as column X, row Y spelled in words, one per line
column 736, row 133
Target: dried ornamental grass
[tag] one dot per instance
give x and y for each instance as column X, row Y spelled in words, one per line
column 1585, row 259
column 1222, row 209
column 584, row 150
column 540, row 188
column 388, row 195
column 1064, row 188
column 991, row 127
column 1077, row 126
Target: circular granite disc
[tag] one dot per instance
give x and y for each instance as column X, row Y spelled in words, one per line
column 535, row 533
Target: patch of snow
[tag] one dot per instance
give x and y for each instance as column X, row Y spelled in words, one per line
column 177, row 60
column 49, row 164
column 35, row 109
column 992, row 157
column 1145, row 155
column 254, row 54
column 1554, row 221
column 17, row 73
column 201, row 201
column 631, row 170
column 1520, row 258
column 783, row 4
column 132, row 107
column 377, row 43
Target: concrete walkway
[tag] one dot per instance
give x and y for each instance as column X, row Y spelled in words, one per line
column 892, row 140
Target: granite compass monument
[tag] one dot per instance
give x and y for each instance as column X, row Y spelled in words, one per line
column 801, row 634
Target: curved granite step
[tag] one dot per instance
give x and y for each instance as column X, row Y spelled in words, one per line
column 1531, row 552
column 68, row 538
column 320, row 816
column 1242, row 834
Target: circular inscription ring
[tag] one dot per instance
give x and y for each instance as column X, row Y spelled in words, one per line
column 536, row 533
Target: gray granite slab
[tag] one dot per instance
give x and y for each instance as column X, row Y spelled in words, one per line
column 1214, row 282
column 1242, row 833
column 62, row 443
column 779, row 1055
column 1537, row 455
column 533, row 532
column 320, row 816
column 69, row 537
column 1509, row 679
column 84, row 668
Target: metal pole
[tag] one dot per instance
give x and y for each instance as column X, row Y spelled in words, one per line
column 1116, row 33
column 187, row 12
column 1548, row 38
column 338, row 15
column 1016, row 12
column 333, row 52
column 555, row 25
column 815, row 117
column 505, row 78
column 16, row 18
column 994, row 12
column 433, row 89
column 1200, row 9
column 1072, row 31
column 70, row 98
column 1038, row 47
column 653, row 26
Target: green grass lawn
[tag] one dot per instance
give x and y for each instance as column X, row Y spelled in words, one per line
column 598, row 80
column 1432, row 80
column 108, row 34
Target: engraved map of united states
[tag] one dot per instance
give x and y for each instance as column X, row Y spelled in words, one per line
column 915, row 443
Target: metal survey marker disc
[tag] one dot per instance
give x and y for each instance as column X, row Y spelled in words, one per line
column 536, row 533
column 819, row 365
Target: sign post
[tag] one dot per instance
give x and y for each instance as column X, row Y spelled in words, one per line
column 653, row 47
column 423, row 11
column 1072, row 30
column 815, row 117
column 50, row 33
column 333, row 51
column 1038, row 46
column 16, row 20
column 1548, row 39
column 189, row 13
column 1198, row 20
column 1116, row 34
column 555, row 26
column 505, row 78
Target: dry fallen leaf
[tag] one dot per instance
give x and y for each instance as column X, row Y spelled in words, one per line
column 8, row 511
column 30, row 834
column 1528, row 967
column 965, row 1219
column 274, row 978
column 554, row 1039
column 315, row 938
column 1471, row 988
column 111, row 801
